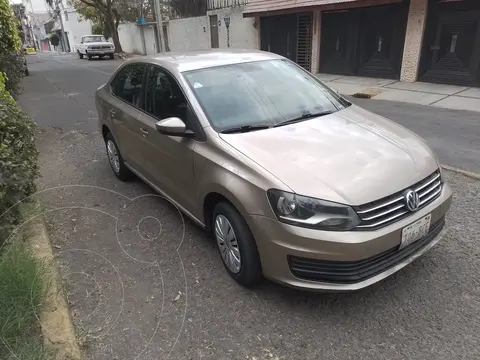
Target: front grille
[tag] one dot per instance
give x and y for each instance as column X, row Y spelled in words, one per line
column 95, row 47
column 385, row 211
column 105, row 46
column 349, row 272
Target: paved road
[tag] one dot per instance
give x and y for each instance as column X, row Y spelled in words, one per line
column 144, row 283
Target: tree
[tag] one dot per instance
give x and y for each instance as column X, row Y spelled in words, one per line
column 107, row 12
column 188, row 8
column 98, row 19
column 9, row 34
column 19, row 12
column 54, row 39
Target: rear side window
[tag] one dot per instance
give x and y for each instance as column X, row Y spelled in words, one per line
column 127, row 85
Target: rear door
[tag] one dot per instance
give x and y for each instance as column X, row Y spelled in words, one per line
column 125, row 113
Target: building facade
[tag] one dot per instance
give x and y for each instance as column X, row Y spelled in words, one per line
column 429, row 40
column 41, row 22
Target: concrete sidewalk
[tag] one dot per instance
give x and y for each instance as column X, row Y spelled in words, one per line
column 445, row 96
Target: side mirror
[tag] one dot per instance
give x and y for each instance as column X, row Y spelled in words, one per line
column 173, row 126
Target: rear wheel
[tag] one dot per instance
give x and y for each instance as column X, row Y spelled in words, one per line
column 236, row 245
column 116, row 160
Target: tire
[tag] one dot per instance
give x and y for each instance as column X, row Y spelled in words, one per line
column 89, row 57
column 80, row 55
column 122, row 172
column 249, row 273
column 27, row 72
column 112, row 56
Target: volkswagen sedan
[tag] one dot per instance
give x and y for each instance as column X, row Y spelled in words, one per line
column 295, row 183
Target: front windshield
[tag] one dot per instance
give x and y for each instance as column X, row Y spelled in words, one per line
column 89, row 39
column 259, row 93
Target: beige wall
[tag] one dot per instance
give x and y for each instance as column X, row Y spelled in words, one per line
column 417, row 17
column 316, row 36
column 243, row 31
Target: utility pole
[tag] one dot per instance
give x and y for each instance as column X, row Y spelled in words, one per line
column 63, row 39
column 159, row 19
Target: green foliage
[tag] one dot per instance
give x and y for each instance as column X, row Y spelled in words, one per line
column 9, row 35
column 11, row 62
column 23, row 288
column 88, row 12
column 107, row 15
column 13, row 65
column 18, row 160
column 100, row 29
column 54, row 39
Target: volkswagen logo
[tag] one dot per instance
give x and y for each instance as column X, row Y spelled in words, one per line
column 412, row 200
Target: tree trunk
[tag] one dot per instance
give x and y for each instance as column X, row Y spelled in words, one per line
column 113, row 26
column 116, row 41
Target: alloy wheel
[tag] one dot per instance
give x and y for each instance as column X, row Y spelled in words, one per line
column 113, row 156
column 228, row 244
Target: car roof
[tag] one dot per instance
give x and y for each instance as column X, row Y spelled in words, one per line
column 202, row 59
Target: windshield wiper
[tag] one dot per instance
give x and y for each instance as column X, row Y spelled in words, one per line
column 245, row 128
column 305, row 116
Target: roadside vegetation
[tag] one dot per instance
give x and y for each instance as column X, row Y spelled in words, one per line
column 22, row 295
column 22, row 276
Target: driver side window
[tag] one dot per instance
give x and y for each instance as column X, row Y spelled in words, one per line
column 164, row 98
column 127, row 85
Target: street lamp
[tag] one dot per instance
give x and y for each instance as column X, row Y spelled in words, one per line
column 226, row 19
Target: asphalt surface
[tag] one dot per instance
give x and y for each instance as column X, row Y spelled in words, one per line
column 145, row 283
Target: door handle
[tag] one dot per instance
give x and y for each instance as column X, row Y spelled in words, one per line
column 112, row 112
column 144, row 132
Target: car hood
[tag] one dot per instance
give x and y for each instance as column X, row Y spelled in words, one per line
column 352, row 156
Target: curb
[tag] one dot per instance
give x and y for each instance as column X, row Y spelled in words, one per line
column 469, row 174
column 57, row 327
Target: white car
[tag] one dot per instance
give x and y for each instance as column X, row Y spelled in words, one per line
column 95, row 45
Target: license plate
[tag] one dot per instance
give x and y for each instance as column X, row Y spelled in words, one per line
column 415, row 231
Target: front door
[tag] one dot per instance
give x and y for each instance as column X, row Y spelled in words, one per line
column 451, row 52
column 279, row 35
column 381, row 41
column 339, row 43
column 214, row 31
column 367, row 41
column 169, row 159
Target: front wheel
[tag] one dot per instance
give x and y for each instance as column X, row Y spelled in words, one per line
column 80, row 55
column 111, row 56
column 89, row 57
column 236, row 245
column 116, row 159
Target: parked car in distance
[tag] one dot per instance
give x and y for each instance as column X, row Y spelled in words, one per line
column 30, row 51
column 95, row 45
column 295, row 183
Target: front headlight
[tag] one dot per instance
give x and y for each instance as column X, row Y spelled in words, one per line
column 311, row 213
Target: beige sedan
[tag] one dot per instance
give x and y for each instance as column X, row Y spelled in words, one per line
column 296, row 184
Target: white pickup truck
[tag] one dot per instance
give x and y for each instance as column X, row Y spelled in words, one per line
column 94, row 45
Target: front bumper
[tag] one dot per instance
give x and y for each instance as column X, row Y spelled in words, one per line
column 281, row 245
column 101, row 52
